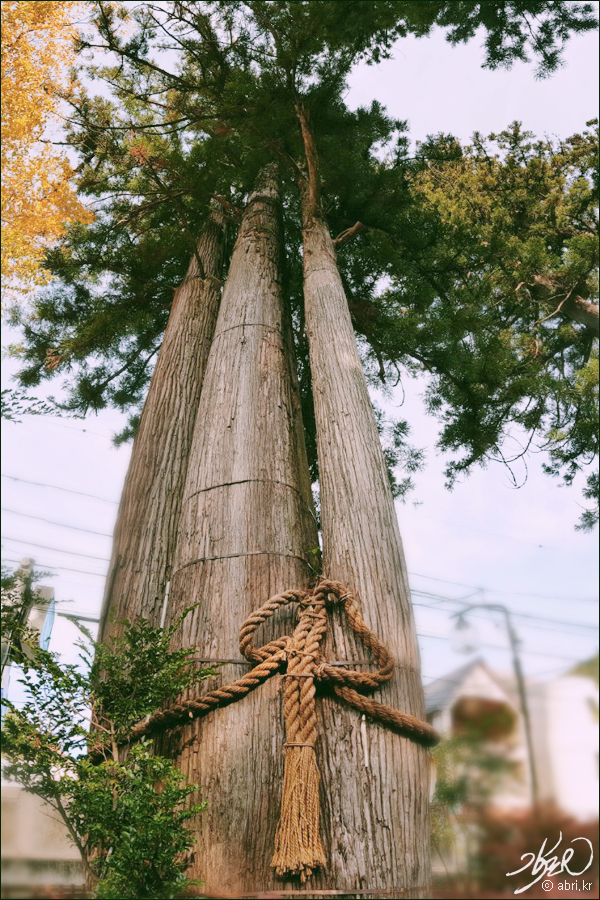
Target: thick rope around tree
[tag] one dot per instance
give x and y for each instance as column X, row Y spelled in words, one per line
column 298, row 848
column 273, row 657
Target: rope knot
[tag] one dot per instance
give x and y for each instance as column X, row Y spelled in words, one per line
column 320, row 672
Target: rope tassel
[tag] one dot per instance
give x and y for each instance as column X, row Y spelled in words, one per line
column 298, row 848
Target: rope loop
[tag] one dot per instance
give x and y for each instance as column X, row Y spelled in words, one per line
column 299, row 654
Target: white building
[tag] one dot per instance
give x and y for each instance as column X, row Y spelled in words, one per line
column 564, row 725
column 36, row 851
column 475, row 699
column 565, row 736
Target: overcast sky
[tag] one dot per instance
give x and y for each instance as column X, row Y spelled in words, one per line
column 484, row 540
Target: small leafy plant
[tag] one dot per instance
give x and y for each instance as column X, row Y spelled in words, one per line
column 125, row 808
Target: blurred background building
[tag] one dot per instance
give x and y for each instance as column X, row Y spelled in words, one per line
column 483, row 796
column 25, row 609
column 38, row 859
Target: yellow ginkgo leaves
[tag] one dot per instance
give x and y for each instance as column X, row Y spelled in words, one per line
column 38, row 199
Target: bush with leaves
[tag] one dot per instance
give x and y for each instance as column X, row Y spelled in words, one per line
column 469, row 771
column 125, row 810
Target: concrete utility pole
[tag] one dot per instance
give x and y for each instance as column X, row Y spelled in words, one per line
column 516, row 660
column 35, row 612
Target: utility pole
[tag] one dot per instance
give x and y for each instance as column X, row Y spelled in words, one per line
column 33, row 610
column 516, row 660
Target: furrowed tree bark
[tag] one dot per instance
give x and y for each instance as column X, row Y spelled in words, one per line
column 148, row 519
column 247, row 532
column 375, row 787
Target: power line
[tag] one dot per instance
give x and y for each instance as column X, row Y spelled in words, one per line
column 414, row 574
column 419, row 633
column 446, row 637
column 74, row 613
column 553, row 621
column 66, row 615
column 439, row 597
column 56, row 487
column 505, row 593
column 532, row 627
column 514, row 614
column 52, row 522
column 58, row 549
column 85, row 430
column 507, row 537
column 66, row 569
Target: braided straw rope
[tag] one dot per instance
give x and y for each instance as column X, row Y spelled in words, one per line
column 298, row 848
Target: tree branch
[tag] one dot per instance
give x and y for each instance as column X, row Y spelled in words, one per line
column 575, row 307
column 312, row 159
column 348, row 234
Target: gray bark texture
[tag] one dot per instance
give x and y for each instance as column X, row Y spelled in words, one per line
column 375, row 792
column 583, row 311
column 148, row 519
column 568, row 302
column 247, row 531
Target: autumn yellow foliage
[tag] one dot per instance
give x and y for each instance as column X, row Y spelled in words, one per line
column 38, row 198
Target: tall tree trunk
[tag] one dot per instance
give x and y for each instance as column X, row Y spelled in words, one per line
column 375, row 788
column 148, row 520
column 247, row 531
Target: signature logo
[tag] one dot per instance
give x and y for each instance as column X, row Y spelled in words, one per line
column 544, row 864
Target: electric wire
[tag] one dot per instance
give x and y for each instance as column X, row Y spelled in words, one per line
column 506, row 537
column 414, row 592
column 52, row 522
column 522, row 650
column 56, row 487
column 5, row 537
column 564, row 622
column 433, row 518
column 481, row 589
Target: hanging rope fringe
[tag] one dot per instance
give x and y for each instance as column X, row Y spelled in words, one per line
column 298, row 848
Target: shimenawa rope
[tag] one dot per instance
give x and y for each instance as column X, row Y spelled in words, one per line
column 298, row 848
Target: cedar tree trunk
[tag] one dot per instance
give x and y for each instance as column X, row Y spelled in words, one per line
column 375, row 786
column 247, row 531
column 148, row 520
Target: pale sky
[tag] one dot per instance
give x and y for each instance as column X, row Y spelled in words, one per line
column 517, row 547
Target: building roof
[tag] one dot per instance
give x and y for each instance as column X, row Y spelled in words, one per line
column 441, row 693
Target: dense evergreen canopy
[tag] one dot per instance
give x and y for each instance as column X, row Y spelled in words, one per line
column 473, row 264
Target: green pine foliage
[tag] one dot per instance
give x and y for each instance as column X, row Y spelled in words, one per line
column 485, row 301
column 469, row 260
column 16, row 403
